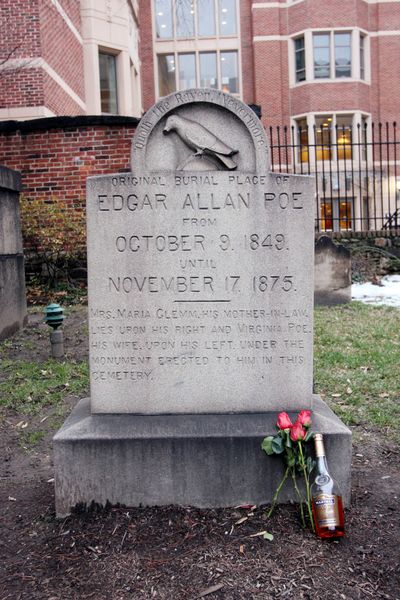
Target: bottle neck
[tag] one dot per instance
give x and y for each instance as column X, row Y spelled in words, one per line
column 322, row 466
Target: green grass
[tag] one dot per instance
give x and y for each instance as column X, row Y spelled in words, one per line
column 28, row 387
column 356, row 369
column 31, row 438
column 357, row 363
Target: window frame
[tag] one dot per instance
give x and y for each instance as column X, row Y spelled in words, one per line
column 199, row 44
column 112, row 54
column 196, row 35
column 197, row 54
column 297, row 52
column 308, row 152
column 359, row 69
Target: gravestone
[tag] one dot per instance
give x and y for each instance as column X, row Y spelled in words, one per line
column 13, row 311
column 200, row 275
column 332, row 273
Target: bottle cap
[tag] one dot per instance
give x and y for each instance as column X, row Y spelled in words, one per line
column 319, row 445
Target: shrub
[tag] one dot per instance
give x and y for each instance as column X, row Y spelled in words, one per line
column 53, row 234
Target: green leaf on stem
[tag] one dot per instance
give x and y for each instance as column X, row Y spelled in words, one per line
column 267, row 445
column 310, row 464
column 291, row 461
column 309, row 435
column 278, row 445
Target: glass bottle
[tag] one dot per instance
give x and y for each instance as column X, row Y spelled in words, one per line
column 327, row 504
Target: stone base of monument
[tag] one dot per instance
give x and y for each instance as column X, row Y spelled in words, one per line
column 205, row 460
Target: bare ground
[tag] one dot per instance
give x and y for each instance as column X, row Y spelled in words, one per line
column 180, row 553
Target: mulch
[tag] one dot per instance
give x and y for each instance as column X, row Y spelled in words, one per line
column 183, row 553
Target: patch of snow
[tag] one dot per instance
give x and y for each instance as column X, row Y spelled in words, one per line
column 387, row 294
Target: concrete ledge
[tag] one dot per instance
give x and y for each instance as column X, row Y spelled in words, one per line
column 206, row 461
column 10, row 179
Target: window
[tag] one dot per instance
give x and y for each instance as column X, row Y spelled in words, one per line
column 184, row 18
column 176, row 18
column 163, row 15
column 322, row 55
column 329, row 55
column 325, row 45
column 206, row 18
column 344, row 125
column 336, row 214
column 166, row 74
column 300, row 58
column 226, row 17
column 208, row 70
column 362, row 56
column 323, row 138
column 209, row 62
column 302, row 130
column 331, row 137
column 187, row 71
column 108, row 83
column 229, row 75
column 342, row 54
column 217, row 70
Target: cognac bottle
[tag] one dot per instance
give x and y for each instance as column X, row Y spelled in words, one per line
column 327, row 505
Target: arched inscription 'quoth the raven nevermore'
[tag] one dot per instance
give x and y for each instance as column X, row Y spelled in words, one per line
column 202, row 140
column 206, row 129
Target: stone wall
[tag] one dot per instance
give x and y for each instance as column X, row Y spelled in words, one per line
column 13, row 312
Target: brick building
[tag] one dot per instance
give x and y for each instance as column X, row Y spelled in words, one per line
column 325, row 70
column 297, row 59
column 69, row 57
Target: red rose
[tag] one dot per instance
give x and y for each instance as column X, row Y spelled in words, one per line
column 297, row 432
column 284, row 421
column 304, row 417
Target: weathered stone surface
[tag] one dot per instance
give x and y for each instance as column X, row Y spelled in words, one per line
column 198, row 460
column 332, row 276
column 13, row 311
column 200, row 272
column 200, row 281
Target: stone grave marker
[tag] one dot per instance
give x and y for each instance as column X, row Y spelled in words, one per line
column 13, row 310
column 200, row 268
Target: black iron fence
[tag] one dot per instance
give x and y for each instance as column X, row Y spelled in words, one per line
column 356, row 169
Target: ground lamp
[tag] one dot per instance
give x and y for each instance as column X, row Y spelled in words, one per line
column 54, row 318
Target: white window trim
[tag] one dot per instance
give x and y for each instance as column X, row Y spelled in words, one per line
column 356, row 32
column 218, row 43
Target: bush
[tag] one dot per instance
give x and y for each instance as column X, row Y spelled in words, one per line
column 53, row 235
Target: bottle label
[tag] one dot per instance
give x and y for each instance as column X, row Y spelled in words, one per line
column 326, row 510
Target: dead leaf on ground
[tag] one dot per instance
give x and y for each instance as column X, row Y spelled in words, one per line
column 211, row 590
column 264, row 534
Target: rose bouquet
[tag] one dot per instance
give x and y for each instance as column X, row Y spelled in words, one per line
column 290, row 442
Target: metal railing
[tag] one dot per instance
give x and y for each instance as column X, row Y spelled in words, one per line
column 356, row 169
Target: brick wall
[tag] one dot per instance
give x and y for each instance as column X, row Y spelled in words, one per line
column 146, row 54
column 56, row 155
column 61, row 49
column 247, row 51
column 36, row 30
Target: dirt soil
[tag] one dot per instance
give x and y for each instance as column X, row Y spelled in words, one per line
column 180, row 553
